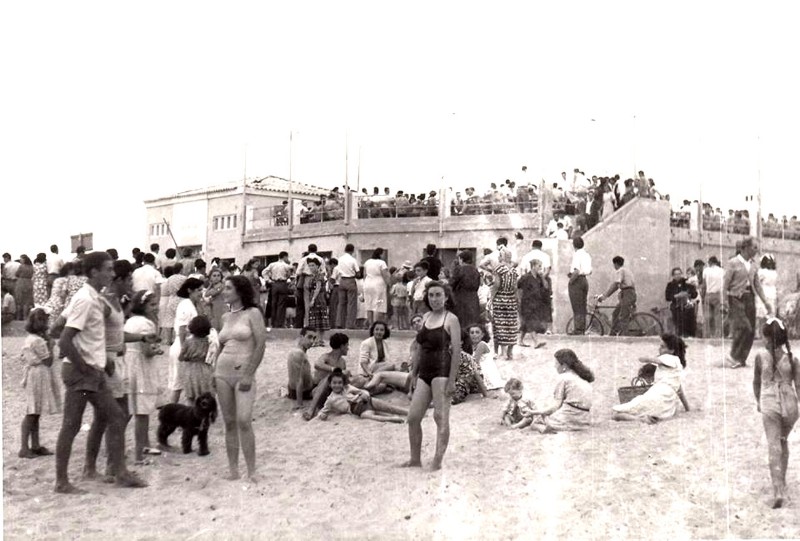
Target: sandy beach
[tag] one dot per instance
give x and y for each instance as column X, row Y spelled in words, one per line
column 702, row 475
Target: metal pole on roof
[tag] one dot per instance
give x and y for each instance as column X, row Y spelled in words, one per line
column 758, row 213
column 291, row 199
column 347, row 209
column 244, row 198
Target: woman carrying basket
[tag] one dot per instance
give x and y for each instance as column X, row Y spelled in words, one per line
column 661, row 399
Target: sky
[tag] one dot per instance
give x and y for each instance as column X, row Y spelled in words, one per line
column 107, row 104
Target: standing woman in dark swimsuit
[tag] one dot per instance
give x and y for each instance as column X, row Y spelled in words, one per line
column 242, row 341
column 434, row 370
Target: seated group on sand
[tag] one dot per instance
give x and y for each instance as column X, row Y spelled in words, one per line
column 331, row 388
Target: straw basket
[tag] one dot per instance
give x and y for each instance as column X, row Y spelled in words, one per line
column 638, row 386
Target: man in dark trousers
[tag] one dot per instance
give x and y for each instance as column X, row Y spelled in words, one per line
column 578, row 287
column 434, row 263
column 739, row 285
column 623, row 281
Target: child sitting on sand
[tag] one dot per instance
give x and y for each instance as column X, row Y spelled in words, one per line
column 345, row 398
column 40, row 389
column 573, row 396
column 198, row 354
column 518, row 412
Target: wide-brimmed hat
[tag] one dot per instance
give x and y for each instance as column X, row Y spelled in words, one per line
column 407, row 265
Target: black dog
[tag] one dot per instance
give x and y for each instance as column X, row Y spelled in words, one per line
column 194, row 421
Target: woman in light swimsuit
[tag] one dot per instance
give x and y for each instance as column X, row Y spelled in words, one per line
column 434, row 372
column 242, row 341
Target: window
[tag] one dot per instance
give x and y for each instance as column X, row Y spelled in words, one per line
column 225, row 223
column 158, row 230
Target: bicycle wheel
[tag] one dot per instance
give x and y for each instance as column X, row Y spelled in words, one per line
column 594, row 327
column 644, row 324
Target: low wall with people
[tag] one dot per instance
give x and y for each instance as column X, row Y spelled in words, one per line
column 639, row 232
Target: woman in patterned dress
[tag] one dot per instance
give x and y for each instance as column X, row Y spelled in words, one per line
column 318, row 318
column 58, row 295
column 469, row 378
column 23, row 292
column 40, row 280
column 75, row 281
column 505, row 310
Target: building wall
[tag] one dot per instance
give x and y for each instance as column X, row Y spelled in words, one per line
column 157, row 215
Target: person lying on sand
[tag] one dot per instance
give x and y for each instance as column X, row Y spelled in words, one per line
column 573, row 396
column 345, row 398
column 662, row 398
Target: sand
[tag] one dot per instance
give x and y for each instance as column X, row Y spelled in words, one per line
column 701, row 475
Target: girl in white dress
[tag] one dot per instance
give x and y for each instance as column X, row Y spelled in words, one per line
column 768, row 277
column 41, row 393
column 662, row 398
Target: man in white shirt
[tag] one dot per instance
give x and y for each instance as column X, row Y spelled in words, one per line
column 277, row 275
column 711, row 293
column 578, row 287
column 160, row 258
column 561, row 233
column 84, row 370
column 347, row 269
column 147, row 278
column 537, row 254
column 54, row 264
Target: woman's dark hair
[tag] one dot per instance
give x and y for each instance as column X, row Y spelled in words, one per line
column 37, row 322
column 139, row 302
column 423, row 265
column 191, row 284
column 466, row 343
column 568, row 358
column 199, row 326
column 41, row 257
column 177, row 268
column 465, row 257
column 337, row 373
column 386, row 332
column 314, row 260
column 66, row 269
column 677, row 345
column 25, row 260
column 768, row 262
column 448, row 293
column 244, row 288
column 122, row 269
column 482, row 327
column 376, row 253
column 775, row 335
column 169, row 270
column 338, row 339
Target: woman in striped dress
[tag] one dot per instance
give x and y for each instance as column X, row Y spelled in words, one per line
column 505, row 309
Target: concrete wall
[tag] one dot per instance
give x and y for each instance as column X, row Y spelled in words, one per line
column 639, row 232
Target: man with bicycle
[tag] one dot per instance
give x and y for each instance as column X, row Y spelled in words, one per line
column 623, row 281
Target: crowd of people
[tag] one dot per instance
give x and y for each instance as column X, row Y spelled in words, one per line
column 111, row 317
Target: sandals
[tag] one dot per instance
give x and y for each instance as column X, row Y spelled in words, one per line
column 42, row 451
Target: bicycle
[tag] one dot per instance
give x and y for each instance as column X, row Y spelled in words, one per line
column 641, row 323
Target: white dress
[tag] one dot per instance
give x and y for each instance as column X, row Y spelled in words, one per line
column 661, row 400
column 769, row 283
column 183, row 315
column 374, row 286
